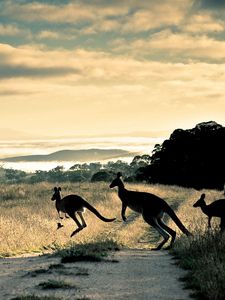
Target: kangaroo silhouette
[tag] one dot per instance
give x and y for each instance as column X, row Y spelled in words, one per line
column 215, row 209
column 72, row 204
column 152, row 209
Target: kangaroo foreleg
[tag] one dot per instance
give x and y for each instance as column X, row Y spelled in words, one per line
column 123, row 211
column 60, row 215
column 209, row 221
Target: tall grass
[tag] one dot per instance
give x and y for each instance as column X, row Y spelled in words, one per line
column 203, row 255
column 28, row 218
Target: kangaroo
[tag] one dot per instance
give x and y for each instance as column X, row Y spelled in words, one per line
column 152, row 209
column 215, row 209
column 72, row 204
column 58, row 206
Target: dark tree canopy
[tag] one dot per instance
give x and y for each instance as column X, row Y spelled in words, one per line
column 193, row 158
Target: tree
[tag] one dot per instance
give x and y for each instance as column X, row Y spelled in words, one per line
column 102, row 176
column 193, row 158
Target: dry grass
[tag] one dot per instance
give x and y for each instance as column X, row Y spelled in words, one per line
column 28, row 218
column 202, row 255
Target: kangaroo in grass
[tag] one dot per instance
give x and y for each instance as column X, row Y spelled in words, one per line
column 215, row 209
column 152, row 209
column 58, row 206
column 72, row 204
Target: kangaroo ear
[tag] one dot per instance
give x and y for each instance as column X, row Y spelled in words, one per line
column 119, row 174
column 55, row 189
column 59, row 189
column 202, row 196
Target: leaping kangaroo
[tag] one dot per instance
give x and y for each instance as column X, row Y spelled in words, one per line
column 72, row 204
column 215, row 209
column 152, row 209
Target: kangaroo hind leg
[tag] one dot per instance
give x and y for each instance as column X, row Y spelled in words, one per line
column 80, row 227
column 80, row 214
column 154, row 223
column 169, row 230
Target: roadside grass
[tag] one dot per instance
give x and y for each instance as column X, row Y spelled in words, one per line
column 203, row 255
column 204, row 258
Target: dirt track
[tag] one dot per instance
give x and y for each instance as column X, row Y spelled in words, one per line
column 129, row 274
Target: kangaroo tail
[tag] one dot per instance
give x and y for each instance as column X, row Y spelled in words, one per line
column 94, row 211
column 176, row 220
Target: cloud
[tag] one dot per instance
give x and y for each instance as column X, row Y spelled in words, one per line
column 84, row 68
column 157, row 15
column 31, row 62
column 170, row 46
column 102, row 61
column 140, row 16
column 203, row 23
column 62, row 13
column 56, row 35
column 9, row 71
column 15, row 92
column 103, row 88
column 11, row 30
column 92, row 16
column 80, row 18
column 46, row 34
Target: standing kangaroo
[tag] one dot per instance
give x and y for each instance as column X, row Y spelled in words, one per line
column 72, row 204
column 215, row 209
column 152, row 209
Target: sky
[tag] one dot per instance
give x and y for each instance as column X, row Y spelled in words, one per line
column 101, row 67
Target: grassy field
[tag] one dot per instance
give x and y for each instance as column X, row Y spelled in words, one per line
column 28, row 218
column 28, row 223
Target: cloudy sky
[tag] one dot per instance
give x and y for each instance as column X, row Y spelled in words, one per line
column 109, row 67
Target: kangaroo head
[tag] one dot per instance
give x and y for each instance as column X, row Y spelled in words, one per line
column 200, row 201
column 117, row 181
column 56, row 195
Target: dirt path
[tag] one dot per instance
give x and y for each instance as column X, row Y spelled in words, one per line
column 129, row 274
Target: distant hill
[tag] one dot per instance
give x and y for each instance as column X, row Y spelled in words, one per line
column 73, row 155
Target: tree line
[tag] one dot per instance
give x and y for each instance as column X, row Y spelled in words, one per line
column 191, row 158
column 78, row 172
